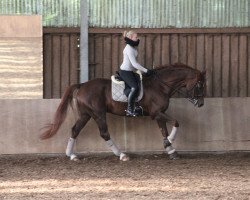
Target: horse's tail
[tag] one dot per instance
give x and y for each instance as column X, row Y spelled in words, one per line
column 60, row 114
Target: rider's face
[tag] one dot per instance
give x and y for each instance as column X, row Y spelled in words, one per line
column 134, row 37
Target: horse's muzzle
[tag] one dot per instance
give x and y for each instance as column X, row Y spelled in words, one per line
column 200, row 102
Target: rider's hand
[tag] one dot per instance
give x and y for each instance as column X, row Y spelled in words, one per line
column 149, row 72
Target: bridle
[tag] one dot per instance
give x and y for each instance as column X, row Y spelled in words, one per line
column 197, row 90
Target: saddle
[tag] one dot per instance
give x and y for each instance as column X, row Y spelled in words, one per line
column 120, row 90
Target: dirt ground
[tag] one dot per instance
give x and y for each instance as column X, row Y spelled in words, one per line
column 224, row 176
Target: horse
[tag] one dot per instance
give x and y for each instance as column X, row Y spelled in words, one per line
column 94, row 100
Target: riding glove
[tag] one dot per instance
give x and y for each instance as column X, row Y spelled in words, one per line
column 149, row 73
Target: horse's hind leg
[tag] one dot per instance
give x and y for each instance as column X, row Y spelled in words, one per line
column 103, row 128
column 168, row 139
column 76, row 129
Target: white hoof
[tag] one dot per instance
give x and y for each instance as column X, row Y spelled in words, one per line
column 73, row 157
column 124, row 157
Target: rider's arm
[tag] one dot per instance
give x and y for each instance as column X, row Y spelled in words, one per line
column 134, row 62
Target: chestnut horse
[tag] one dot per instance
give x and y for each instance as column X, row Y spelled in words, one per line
column 94, row 100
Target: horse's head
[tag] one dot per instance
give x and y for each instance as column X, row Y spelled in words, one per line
column 179, row 76
column 196, row 88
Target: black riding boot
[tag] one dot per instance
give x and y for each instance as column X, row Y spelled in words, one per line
column 131, row 103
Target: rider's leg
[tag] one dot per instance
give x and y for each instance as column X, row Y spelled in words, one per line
column 131, row 81
column 131, row 102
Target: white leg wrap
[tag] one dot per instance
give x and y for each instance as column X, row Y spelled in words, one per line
column 172, row 135
column 113, row 147
column 70, row 146
column 170, row 150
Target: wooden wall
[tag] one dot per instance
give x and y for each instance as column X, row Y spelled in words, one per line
column 223, row 53
column 61, row 62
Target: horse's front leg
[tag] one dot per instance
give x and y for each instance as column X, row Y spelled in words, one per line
column 168, row 140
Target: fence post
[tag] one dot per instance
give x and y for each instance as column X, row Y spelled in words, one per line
column 84, row 65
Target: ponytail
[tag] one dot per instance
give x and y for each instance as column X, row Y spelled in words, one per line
column 125, row 34
column 128, row 33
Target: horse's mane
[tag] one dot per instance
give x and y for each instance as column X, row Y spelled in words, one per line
column 173, row 67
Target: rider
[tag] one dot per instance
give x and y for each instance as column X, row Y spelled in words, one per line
column 127, row 68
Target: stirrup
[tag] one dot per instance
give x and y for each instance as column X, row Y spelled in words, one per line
column 130, row 114
column 138, row 111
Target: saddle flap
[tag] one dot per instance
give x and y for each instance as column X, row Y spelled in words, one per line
column 118, row 88
column 117, row 81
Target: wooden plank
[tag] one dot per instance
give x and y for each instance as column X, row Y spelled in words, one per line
column 209, row 64
column 157, row 49
column 183, row 48
column 107, row 57
column 115, row 53
column 174, row 50
column 47, row 68
column 91, row 56
column 74, row 59
column 122, row 45
column 243, row 66
column 191, row 51
column 234, row 64
column 165, row 56
column 142, row 50
column 225, row 65
column 248, row 65
column 149, row 52
column 200, row 57
column 217, row 67
column 167, row 30
column 174, row 53
column 65, row 63
column 56, row 65
column 99, row 56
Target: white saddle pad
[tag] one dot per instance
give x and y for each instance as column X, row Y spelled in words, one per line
column 118, row 87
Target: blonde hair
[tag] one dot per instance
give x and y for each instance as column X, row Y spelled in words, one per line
column 128, row 33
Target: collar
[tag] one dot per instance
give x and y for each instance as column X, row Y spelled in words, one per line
column 132, row 42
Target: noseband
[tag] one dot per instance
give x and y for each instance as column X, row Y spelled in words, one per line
column 197, row 92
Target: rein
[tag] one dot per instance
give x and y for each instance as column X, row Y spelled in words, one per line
column 189, row 98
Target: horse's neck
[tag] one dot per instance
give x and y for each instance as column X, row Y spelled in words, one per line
column 174, row 81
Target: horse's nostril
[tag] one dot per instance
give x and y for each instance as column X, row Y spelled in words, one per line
column 201, row 104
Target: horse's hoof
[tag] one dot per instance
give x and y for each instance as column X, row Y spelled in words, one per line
column 76, row 159
column 73, row 157
column 124, row 157
column 174, row 156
